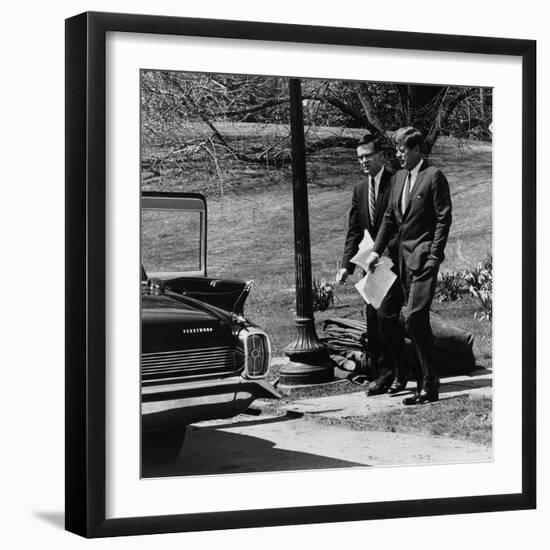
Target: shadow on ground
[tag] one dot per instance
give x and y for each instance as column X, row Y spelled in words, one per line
column 465, row 384
column 216, row 450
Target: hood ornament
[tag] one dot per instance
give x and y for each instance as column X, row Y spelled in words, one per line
column 156, row 286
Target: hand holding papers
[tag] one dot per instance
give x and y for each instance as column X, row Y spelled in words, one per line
column 365, row 248
column 374, row 286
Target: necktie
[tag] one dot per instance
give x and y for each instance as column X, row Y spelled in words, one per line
column 406, row 191
column 372, row 200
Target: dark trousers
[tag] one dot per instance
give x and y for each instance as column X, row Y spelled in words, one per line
column 417, row 291
column 385, row 336
column 374, row 339
column 419, row 288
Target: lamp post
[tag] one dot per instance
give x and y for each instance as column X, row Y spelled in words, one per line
column 309, row 359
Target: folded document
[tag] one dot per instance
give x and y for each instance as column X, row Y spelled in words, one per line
column 365, row 248
column 374, row 286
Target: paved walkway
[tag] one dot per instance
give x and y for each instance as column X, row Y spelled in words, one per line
column 289, row 443
column 476, row 385
column 284, row 436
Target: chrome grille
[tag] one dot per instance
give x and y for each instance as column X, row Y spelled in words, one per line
column 257, row 355
column 173, row 366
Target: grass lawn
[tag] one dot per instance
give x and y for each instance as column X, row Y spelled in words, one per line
column 251, row 236
column 459, row 418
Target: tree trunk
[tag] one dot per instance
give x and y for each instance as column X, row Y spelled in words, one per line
column 482, row 102
column 405, row 104
column 420, row 106
column 366, row 101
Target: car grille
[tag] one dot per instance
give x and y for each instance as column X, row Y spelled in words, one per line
column 257, row 355
column 173, row 366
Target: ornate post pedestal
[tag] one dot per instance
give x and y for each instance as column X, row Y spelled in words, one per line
column 309, row 359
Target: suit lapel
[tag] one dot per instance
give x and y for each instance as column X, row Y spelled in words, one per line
column 384, row 182
column 364, row 200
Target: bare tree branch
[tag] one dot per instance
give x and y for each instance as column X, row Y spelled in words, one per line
column 368, row 105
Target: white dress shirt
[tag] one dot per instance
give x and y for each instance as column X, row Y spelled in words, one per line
column 414, row 175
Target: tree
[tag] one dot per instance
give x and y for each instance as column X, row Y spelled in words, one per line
column 193, row 117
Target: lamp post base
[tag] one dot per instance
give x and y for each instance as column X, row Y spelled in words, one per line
column 309, row 362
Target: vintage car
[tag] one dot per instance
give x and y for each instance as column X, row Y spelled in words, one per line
column 201, row 358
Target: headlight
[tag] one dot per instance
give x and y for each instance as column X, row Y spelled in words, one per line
column 257, row 352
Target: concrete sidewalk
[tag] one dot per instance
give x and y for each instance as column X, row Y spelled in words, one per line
column 355, row 403
column 285, row 434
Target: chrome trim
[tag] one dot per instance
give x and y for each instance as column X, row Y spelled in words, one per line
column 232, row 385
column 196, row 330
column 251, row 331
column 187, row 350
column 238, row 305
column 150, row 407
column 158, row 366
column 187, row 403
column 191, row 386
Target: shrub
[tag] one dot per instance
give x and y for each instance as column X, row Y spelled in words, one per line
column 323, row 295
column 450, row 284
column 482, row 276
column 480, row 282
column 485, row 301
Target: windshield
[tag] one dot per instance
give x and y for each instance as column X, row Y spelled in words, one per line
column 172, row 234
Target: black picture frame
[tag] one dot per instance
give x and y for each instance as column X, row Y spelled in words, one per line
column 86, row 263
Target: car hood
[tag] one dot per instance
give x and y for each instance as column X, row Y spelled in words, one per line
column 171, row 308
column 171, row 321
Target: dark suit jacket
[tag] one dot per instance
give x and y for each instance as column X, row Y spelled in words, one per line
column 359, row 218
column 422, row 230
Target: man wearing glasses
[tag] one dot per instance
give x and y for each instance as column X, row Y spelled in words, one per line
column 370, row 199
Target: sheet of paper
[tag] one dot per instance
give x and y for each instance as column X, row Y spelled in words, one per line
column 373, row 287
column 365, row 248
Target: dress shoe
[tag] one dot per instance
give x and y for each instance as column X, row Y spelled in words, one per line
column 421, row 397
column 429, row 392
column 413, row 400
column 399, row 384
column 376, row 388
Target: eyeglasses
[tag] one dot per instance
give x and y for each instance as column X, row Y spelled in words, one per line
column 366, row 156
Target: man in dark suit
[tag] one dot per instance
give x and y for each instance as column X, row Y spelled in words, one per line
column 369, row 202
column 419, row 215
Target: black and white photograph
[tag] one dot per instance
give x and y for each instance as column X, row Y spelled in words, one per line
column 274, row 275
column 316, row 274
column 306, row 261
